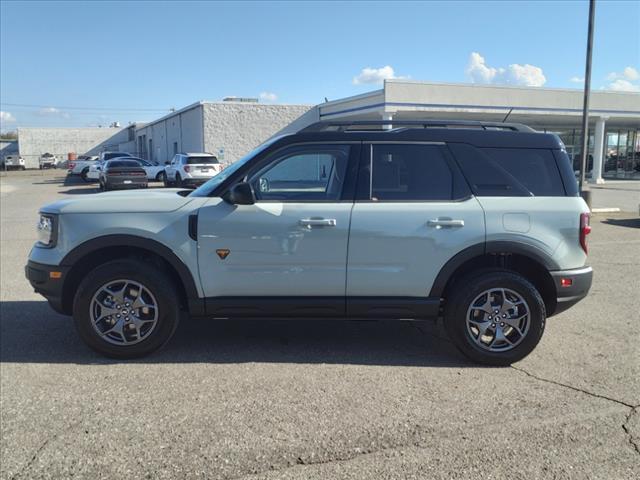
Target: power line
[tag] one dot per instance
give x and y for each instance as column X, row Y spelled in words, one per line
column 110, row 109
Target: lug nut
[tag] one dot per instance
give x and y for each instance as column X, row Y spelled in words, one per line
column 502, row 324
column 493, row 325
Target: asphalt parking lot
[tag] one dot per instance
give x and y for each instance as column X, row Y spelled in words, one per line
column 280, row 399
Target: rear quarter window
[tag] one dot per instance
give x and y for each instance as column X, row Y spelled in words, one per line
column 510, row 171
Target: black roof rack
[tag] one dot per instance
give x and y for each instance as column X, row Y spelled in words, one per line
column 396, row 125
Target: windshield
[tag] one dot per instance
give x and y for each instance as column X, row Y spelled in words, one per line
column 208, row 187
column 202, row 160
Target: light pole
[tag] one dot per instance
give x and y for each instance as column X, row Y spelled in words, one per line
column 586, row 194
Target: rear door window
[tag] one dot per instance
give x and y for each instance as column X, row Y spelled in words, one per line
column 410, row 173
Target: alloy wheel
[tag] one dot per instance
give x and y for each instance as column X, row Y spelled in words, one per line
column 498, row 319
column 123, row 312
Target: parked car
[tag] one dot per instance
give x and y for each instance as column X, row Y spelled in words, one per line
column 122, row 173
column 155, row 171
column 191, row 169
column 82, row 167
column 480, row 224
column 48, row 160
column 13, row 162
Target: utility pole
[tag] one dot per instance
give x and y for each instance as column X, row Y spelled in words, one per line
column 586, row 194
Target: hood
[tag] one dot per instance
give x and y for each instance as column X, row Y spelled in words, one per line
column 125, row 201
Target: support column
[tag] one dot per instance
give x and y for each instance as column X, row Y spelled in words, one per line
column 598, row 151
column 387, row 117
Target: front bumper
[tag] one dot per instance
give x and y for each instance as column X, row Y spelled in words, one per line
column 42, row 281
column 569, row 295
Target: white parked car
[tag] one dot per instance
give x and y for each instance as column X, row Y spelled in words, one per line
column 13, row 162
column 48, row 160
column 191, row 169
column 154, row 170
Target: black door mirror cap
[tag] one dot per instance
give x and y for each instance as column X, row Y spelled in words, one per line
column 240, row 194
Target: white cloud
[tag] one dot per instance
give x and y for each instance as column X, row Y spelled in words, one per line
column 626, row 81
column 622, row 85
column 268, row 96
column 631, row 73
column 577, row 79
column 514, row 74
column 370, row 75
column 53, row 112
column 6, row 117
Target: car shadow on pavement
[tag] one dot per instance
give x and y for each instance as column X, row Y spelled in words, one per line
column 623, row 222
column 66, row 181
column 30, row 332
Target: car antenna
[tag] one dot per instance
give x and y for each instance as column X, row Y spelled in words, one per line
column 507, row 116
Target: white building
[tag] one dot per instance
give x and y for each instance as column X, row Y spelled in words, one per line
column 228, row 129
column 614, row 116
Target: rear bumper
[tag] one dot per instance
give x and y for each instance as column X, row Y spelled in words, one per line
column 39, row 276
column 195, row 181
column 568, row 296
column 121, row 182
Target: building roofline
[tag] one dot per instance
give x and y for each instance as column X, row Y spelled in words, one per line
column 509, row 87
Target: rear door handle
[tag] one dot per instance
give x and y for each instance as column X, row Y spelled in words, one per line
column 318, row 222
column 445, row 223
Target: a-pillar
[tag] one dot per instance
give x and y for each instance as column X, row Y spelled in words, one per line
column 598, row 151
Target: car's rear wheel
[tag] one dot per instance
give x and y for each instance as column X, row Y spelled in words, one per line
column 84, row 175
column 126, row 309
column 494, row 317
column 162, row 177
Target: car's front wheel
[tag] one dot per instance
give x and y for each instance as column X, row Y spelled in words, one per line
column 162, row 177
column 494, row 317
column 126, row 309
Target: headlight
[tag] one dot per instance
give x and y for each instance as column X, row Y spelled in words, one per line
column 47, row 230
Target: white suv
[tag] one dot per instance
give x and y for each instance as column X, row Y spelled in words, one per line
column 481, row 225
column 191, row 169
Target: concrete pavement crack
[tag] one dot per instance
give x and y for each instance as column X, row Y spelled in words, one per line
column 632, row 441
column 571, row 387
column 44, row 445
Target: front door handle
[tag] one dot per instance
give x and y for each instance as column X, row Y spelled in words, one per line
column 318, row 222
column 445, row 223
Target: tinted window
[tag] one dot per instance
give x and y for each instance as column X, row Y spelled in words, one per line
column 509, row 172
column 410, row 172
column 201, row 160
column 303, row 173
column 122, row 163
column 534, row 168
column 108, row 156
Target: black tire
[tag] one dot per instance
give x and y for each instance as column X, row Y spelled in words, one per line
column 468, row 288
column 154, row 280
column 178, row 180
column 161, row 177
column 23, row 168
column 84, row 174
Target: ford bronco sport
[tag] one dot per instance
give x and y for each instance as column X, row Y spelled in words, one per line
column 478, row 223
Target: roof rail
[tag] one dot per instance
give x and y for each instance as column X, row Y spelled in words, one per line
column 343, row 125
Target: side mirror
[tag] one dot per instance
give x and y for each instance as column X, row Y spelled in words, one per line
column 240, row 194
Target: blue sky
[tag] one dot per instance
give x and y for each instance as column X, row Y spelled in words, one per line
column 133, row 56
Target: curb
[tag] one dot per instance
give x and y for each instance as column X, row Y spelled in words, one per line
column 605, row 210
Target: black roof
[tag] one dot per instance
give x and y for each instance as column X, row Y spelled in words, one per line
column 480, row 134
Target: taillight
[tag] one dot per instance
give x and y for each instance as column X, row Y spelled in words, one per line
column 187, row 168
column 585, row 229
